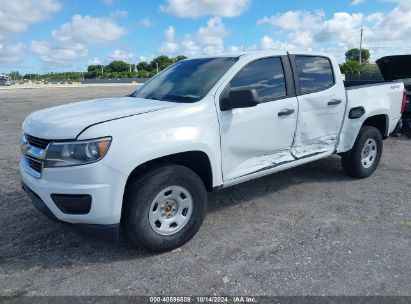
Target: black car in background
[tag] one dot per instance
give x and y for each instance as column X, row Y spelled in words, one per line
column 398, row 68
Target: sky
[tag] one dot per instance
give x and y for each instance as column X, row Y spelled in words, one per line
column 40, row 36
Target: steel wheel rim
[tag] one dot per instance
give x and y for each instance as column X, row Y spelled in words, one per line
column 369, row 153
column 170, row 210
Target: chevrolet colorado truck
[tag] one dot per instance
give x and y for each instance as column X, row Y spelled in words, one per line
column 145, row 162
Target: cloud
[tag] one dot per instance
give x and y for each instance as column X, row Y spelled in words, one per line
column 341, row 27
column 357, row 2
column 169, row 46
column 190, row 46
column 119, row 14
column 17, row 16
column 211, row 37
column 396, row 25
column 108, row 2
column 198, row 8
column 305, row 28
column 86, row 29
column 207, row 40
column 301, row 39
column 10, row 53
column 121, row 55
column 294, row 20
column 267, row 43
column 384, row 33
column 145, row 22
column 69, row 42
column 56, row 54
column 94, row 61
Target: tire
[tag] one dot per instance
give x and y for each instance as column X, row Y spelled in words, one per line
column 164, row 208
column 357, row 163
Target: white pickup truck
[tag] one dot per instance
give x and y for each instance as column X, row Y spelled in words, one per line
column 146, row 161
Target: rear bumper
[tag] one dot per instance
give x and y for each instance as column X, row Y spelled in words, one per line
column 102, row 232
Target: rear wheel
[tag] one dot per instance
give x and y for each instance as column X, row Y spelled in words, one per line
column 164, row 208
column 362, row 160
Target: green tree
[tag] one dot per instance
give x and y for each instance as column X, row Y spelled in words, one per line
column 180, row 57
column 117, row 66
column 143, row 73
column 15, row 75
column 351, row 67
column 163, row 62
column 30, row 76
column 371, row 69
column 354, row 55
column 94, row 67
column 143, row 66
column 93, row 71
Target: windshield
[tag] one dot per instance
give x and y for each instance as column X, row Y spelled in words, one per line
column 186, row 81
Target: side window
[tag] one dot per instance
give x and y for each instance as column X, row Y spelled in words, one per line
column 266, row 76
column 314, row 73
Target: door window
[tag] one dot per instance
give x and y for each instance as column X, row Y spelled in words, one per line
column 314, row 73
column 266, row 76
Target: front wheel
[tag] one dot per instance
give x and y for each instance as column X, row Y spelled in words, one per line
column 363, row 159
column 164, row 208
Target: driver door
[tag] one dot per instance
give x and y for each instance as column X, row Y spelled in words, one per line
column 259, row 138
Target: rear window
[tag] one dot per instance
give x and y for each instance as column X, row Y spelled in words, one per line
column 314, row 73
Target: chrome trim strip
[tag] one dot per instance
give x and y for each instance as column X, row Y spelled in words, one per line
column 36, row 152
column 28, row 169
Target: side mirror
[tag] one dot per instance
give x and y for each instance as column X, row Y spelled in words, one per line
column 239, row 99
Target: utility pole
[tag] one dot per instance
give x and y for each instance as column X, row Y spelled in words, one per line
column 362, row 30
column 102, row 70
column 157, row 66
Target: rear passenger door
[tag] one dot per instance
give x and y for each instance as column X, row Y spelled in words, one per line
column 321, row 103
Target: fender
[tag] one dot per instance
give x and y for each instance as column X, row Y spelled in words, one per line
column 351, row 127
column 143, row 138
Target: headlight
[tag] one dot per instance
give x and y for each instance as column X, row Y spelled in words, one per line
column 64, row 154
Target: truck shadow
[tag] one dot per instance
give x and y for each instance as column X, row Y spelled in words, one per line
column 31, row 240
column 325, row 170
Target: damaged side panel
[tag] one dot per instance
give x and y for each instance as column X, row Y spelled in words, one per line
column 319, row 122
column 255, row 138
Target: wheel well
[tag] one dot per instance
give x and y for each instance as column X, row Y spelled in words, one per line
column 380, row 122
column 195, row 160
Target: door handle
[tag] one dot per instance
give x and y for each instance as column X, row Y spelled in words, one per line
column 285, row 112
column 334, row 102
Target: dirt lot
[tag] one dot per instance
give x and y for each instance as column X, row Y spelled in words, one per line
column 307, row 231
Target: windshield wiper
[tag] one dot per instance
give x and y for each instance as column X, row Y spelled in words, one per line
column 152, row 97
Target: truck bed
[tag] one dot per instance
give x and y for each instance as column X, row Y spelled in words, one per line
column 378, row 98
column 349, row 84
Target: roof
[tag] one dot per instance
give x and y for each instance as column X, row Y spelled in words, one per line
column 268, row 53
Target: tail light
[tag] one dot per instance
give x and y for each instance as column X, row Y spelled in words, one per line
column 404, row 101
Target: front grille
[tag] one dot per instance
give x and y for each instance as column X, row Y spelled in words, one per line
column 37, row 142
column 34, row 163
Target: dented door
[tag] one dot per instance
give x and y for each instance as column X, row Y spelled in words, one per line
column 257, row 138
column 321, row 102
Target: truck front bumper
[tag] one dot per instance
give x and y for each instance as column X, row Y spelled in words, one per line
column 103, row 232
column 103, row 185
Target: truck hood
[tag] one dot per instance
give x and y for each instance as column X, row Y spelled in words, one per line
column 68, row 121
column 395, row 67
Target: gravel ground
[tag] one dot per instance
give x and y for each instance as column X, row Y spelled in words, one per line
column 306, row 231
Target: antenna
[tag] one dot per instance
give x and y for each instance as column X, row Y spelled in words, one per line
column 362, row 30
